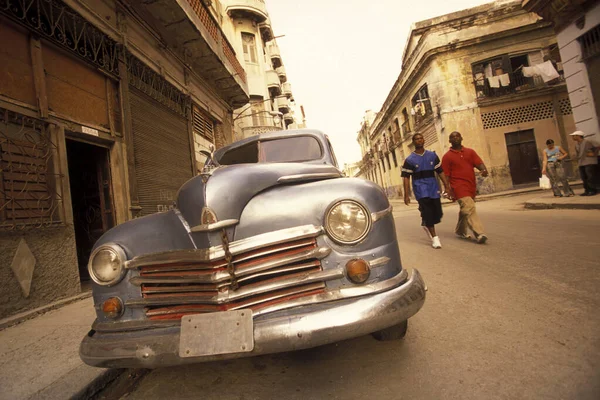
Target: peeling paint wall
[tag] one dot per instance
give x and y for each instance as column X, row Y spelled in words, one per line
column 55, row 274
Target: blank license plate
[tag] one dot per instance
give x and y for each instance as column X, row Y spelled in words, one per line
column 216, row 333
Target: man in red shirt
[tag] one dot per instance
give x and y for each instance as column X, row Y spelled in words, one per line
column 458, row 164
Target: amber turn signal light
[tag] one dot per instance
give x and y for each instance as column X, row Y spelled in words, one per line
column 358, row 270
column 112, row 308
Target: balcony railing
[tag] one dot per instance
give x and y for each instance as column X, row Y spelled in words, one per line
column 287, row 89
column 273, row 81
column 281, row 73
column 256, row 9
column 517, row 84
column 282, row 103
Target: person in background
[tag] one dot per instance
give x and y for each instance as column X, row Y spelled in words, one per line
column 553, row 168
column 587, row 158
column 458, row 164
column 422, row 165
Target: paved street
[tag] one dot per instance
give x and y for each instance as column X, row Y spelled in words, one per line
column 516, row 318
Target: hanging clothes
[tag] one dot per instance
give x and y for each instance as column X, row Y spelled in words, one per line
column 547, row 71
column 494, row 81
column 504, row 79
column 528, row 72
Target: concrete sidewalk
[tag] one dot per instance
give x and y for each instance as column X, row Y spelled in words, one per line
column 39, row 357
column 540, row 199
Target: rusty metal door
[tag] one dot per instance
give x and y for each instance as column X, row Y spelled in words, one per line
column 523, row 157
column 161, row 150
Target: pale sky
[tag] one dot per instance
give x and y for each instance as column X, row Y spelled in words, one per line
column 343, row 56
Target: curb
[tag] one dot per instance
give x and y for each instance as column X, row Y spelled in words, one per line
column 24, row 316
column 564, row 206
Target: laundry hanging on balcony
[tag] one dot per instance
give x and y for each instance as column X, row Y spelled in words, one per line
column 546, row 70
column 494, row 81
column 504, row 79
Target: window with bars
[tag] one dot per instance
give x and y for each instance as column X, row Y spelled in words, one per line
column 249, row 47
column 590, row 43
column 421, row 104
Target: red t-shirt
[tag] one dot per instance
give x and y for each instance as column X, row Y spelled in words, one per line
column 458, row 167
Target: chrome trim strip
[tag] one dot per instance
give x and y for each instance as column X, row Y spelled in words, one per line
column 339, row 294
column 307, row 177
column 185, row 225
column 229, row 296
column 217, row 252
column 215, row 226
column 221, row 276
column 380, row 214
column 378, row 262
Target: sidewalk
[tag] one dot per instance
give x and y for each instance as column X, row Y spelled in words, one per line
column 39, row 358
column 540, row 199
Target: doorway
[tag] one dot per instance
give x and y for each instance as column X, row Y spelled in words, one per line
column 523, row 157
column 91, row 197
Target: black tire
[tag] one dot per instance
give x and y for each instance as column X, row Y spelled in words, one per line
column 395, row 332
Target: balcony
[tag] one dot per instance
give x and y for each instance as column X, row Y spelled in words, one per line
column 188, row 27
column 274, row 54
column 273, row 82
column 282, row 104
column 288, row 118
column 255, row 10
column 518, row 84
column 281, row 73
column 265, row 30
column 287, row 90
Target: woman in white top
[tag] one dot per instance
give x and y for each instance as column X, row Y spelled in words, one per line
column 553, row 168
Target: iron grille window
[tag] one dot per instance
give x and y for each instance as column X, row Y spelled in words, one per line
column 421, row 104
column 27, row 179
column 590, row 43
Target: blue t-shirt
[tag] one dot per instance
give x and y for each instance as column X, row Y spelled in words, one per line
column 422, row 169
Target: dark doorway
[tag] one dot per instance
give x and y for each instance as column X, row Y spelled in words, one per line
column 91, row 197
column 523, row 157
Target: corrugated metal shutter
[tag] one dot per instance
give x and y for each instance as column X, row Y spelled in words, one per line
column 203, row 124
column 162, row 152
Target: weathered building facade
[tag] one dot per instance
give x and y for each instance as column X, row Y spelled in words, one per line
column 104, row 109
column 467, row 72
column 577, row 27
column 271, row 105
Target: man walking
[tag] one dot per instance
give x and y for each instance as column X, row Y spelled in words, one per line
column 587, row 158
column 458, row 164
column 422, row 165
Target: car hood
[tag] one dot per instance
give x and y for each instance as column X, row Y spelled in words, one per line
column 228, row 189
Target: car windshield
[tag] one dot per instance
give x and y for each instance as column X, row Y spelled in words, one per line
column 292, row 149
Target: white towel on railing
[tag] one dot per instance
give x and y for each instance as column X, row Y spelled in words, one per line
column 494, row 81
column 547, row 71
column 504, row 79
column 528, row 72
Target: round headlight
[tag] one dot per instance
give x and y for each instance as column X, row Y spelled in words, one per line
column 347, row 222
column 106, row 265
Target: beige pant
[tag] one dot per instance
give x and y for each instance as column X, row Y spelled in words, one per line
column 467, row 217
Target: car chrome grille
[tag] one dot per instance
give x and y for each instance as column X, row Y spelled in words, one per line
column 271, row 274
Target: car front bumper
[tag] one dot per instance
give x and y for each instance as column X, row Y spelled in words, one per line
column 277, row 332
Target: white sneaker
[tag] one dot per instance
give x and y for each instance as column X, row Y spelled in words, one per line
column 435, row 243
column 427, row 232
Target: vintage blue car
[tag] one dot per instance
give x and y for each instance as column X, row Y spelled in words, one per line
column 269, row 249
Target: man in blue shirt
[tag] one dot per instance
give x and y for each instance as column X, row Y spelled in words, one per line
column 422, row 165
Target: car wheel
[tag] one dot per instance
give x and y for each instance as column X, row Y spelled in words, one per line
column 392, row 333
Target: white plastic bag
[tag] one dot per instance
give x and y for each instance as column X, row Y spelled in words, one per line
column 545, row 182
